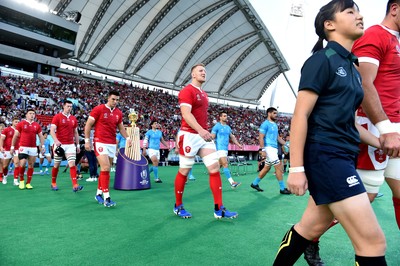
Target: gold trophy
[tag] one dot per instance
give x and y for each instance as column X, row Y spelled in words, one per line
column 133, row 152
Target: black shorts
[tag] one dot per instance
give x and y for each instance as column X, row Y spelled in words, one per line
column 331, row 173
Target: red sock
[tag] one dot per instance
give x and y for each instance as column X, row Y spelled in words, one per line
column 16, row 172
column 396, row 205
column 1, row 176
column 29, row 175
column 99, row 187
column 334, row 222
column 54, row 173
column 72, row 174
column 21, row 173
column 216, row 188
column 105, row 180
column 5, row 170
column 180, row 181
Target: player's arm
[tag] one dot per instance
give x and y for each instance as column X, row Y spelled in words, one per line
column 372, row 106
column 186, row 112
column 368, row 138
column 281, row 141
column 53, row 134
column 2, row 138
column 41, row 138
column 235, row 141
column 297, row 180
column 14, row 139
column 88, row 126
column 164, row 142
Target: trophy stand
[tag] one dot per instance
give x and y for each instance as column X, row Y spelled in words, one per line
column 132, row 171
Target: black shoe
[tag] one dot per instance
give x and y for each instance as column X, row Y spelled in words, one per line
column 285, row 192
column 256, row 187
column 311, row 255
column 158, row 180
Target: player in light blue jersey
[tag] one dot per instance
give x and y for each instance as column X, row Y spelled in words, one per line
column 47, row 155
column 221, row 134
column 152, row 141
column 269, row 139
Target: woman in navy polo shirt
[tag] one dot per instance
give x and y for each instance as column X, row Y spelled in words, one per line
column 324, row 144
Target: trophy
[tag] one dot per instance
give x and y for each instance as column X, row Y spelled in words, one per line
column 132, row 171
column 133, row 152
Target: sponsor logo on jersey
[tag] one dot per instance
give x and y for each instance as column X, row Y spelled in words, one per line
column 341, row 72
column 352, row 181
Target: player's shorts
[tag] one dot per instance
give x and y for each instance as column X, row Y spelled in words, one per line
column 7, row 154
column 287, row 156
column 2, row 155
column 392, row 169
column 372, row 179
column 331, row 173
column 190, row 143
column 105, row 149
column 222, row 153
column 272, row 156
column 153, row 152
column 68, row 148
column 44, row 155
column 30, row 151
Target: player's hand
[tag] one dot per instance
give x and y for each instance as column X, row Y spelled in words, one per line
column 78, row 149
column 240, row 146
column 12, row 151
column 390, row 144
column 43, row 150
column 57, row 143
column 87, row 146
column 205, row 135
column 297, row 183
column 129, row 142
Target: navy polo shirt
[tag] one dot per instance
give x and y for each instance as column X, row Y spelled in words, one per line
column 331, row 74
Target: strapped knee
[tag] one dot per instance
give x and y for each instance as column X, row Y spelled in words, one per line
column 185, row 162
column 210, row 159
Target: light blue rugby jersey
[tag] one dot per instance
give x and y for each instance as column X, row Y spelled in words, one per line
column 222, row 133
column 270, row 131
column 154, row 138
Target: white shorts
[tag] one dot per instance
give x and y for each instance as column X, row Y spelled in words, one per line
column 44, row 155
column 28, row 150
column 190, row 144
column 222, row 153
column 2, row 155
column 152, row 152
column 68, row 148
column 7, row 154
column 272, row 156
column 105, row 149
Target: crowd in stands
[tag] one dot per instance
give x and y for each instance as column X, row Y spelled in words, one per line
column 18, row 94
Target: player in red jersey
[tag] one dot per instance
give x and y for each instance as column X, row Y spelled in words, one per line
column 194, row 138
column 2, row 126
column 27, row 129
column 64, row 130
column 379, row 56
column 105, row 119
column 5, row 145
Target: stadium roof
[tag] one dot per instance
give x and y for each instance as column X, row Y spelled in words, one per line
column 157, row 42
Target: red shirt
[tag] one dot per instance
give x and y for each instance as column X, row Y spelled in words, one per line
column 198, row 100
column 8, row 133
column 28, row 132
column 65, row 127
column 106, row 122
column 381, row 47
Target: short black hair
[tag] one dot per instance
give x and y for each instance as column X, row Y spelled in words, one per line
column 113, row 92
column 271, row 109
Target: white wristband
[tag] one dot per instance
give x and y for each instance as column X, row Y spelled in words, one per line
column 12, row 147
column 385, row 127
column 43, row 146
column 128, row 138
column 87, row 140
column 299, row 169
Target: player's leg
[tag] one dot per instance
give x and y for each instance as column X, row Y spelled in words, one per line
column 210, row 159
column 29, row 174
column 392, row 174
column 362, row 227
column 313, row 223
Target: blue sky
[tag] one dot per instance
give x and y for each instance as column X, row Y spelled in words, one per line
column 295, row 37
